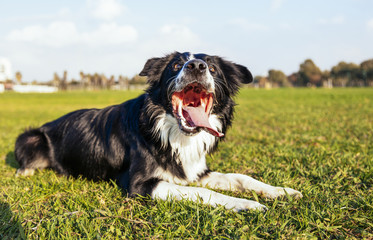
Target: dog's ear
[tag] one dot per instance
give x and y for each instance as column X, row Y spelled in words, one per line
column 245, row 75
column 154, row 68
column 149, row 65
column 236, row 72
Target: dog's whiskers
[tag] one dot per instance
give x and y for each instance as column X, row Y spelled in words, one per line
column 219, row 87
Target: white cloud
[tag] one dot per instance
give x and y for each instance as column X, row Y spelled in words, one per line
column 276, row 5
column 178, row 32
column 62, row 13
column 370, row 24
column 286, row 26
column 109, row 33
column 332, row 21
column 249, row 26
column 338, row 20
column 55, row 34
column 106, row 9
column 64, row 33
column 174, row 36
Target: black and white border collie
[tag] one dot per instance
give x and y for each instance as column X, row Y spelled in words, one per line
column 154, row 144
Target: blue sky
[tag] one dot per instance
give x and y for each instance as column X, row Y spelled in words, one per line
column 117, row 36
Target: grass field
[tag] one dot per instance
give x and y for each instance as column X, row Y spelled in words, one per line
column 317, row 141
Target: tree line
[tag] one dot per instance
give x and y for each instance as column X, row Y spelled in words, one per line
column 309, row 75
column 97, row 81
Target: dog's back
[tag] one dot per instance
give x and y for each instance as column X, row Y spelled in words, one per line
column 86, row 142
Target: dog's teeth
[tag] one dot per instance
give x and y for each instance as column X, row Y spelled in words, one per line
column 180, row 110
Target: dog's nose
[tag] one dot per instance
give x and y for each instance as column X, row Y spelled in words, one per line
column 196, row 65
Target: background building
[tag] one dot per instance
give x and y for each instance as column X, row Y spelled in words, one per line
column 5, row 69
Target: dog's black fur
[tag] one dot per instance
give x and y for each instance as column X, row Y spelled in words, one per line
column 123, row 140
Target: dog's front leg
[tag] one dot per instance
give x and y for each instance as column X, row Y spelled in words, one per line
column 166, row 191
column 240, row 182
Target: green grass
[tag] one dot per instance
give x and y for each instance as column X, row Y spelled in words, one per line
column 317, row 141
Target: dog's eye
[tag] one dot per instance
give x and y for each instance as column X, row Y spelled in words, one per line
column 177, row 66
column 212, row 69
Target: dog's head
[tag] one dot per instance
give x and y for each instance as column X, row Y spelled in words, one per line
column 192, row 87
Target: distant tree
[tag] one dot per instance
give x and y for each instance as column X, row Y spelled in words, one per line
column 309, row 74
column 56, row 80
column 262, row 82
column 63, row 82
column 96, row 80
column 74, row 83
column 346, row 74
column 326, row 79
column 111, row 81
column 257, row 79
column 293, row 79
column 19, row 77
column 90, row 82
column 366, row 68
column 104, row 81
column 84, row 81
column 81, row 74
column 278, row 78
column 325, row 75
column 138, row 80
column 123, row 82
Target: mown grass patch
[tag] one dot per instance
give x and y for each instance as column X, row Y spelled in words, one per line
column 317, row 141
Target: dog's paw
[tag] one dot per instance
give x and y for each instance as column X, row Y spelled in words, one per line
column 294, row 193
column 25, row 172
column 245, row 205
column 280, row 191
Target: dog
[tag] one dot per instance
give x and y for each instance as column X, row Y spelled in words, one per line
column 156, row 143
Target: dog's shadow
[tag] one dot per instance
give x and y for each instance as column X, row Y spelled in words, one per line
column 11, row 160
column 10, row 224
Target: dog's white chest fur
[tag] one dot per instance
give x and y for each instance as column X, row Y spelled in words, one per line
column 190, row 151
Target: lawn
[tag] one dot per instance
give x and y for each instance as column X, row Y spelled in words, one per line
column 318, row 141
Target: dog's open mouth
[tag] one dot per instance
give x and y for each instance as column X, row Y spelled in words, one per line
column 192, row 107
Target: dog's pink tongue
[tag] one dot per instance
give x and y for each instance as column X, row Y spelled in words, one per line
column 201, row 119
